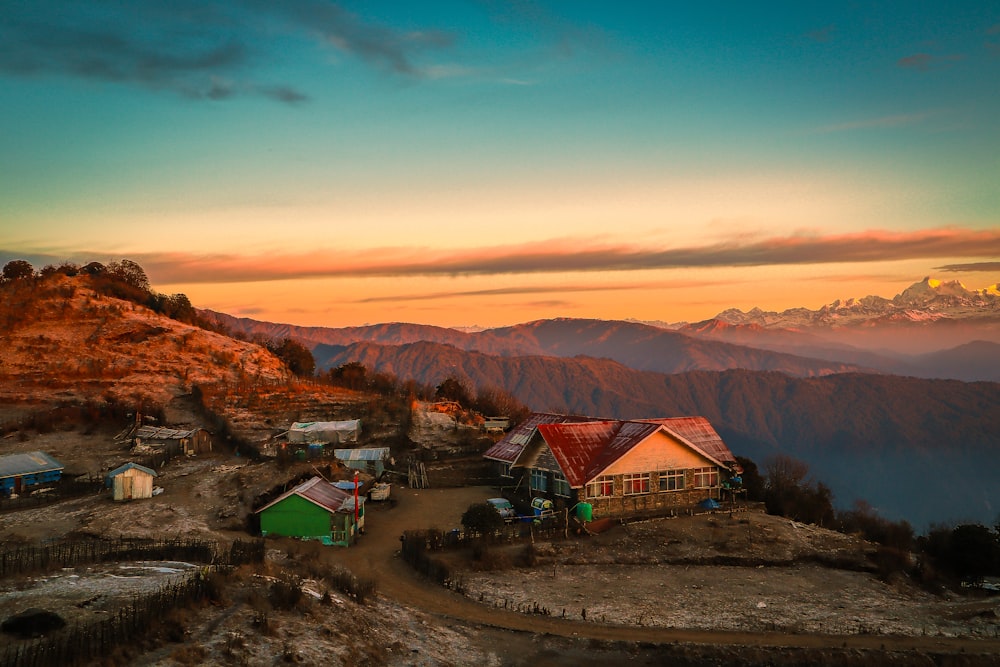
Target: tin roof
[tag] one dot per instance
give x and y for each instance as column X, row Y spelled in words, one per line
column 163, row 433
column 128, row 466
column 362, row 454
column 584, row 450
column 698, row 432
column 317, row 491
column 508, row 448
column 576, row 447
column 29, row 463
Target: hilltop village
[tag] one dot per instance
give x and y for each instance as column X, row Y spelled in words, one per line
column 172, row 495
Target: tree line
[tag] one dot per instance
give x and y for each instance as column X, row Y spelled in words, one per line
column 968, row 552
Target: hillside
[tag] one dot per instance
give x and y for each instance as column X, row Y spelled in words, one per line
column 66, row 343
column 866, row 436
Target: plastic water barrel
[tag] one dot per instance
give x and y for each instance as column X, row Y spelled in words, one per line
column 585, row 512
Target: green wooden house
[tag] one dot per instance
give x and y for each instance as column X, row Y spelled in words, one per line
column 314, row 510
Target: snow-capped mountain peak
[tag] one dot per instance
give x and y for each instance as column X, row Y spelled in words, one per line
column 923, row 301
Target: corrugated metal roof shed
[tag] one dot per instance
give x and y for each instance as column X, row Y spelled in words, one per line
column 362, row 454
column 162, row 433
column 318, row 491
column 29, row 463
column 128, row 466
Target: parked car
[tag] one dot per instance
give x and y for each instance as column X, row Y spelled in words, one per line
column 504, row 508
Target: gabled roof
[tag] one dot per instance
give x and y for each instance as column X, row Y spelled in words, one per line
column 317, row 491
column 163, row 433
column 508, row 448
column 29, row 463
column 128, row 466
column 698, row 432
column 584, row 450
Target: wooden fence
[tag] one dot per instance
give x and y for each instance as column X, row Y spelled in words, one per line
column 27, row 559
column 83, row 643
column 62, row 490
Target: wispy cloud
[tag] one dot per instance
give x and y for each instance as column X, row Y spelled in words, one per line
column 381, row 45
column 991, row 46
column 206, row 51
column 534, row 289
column 969, row 268
column 565, row 256
column 824, row 34
column 924, row 62
column 897, row 120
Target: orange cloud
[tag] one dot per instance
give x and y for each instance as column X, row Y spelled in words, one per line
column 562, row 256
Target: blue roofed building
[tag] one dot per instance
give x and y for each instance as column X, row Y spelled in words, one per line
column 22, row 473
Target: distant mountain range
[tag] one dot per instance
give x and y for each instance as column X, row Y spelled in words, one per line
column 932, row 330
column 929, row 316
column 861, row 416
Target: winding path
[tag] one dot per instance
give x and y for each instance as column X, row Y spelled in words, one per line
column 377, row 556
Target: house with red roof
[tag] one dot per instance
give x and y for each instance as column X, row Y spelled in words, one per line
column 618, row 467
column 314, row 510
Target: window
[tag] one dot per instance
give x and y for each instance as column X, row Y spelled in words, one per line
column 671, row 480
column 560, row 485
column 602, row 487
column 706, row 477
column 637, row 482
column 505, row 470
column 538, row 480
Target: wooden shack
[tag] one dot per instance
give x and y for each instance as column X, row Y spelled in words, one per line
column 173, row 441
column 130, row 482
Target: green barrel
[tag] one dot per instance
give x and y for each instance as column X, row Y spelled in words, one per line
column 585, row 512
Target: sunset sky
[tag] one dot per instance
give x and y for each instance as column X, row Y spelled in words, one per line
column 489, row 163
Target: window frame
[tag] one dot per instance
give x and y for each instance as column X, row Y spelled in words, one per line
column 559, row 484
column 635, row 483
column 538, row 474
column 711, row 472
column 596, row 488
column 677, row 476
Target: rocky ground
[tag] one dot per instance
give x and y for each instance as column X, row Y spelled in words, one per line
column 780, row 575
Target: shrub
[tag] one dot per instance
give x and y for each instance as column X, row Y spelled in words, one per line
column 284, row 594
column 482, row 519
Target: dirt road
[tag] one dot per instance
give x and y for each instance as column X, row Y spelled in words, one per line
column 377, row 556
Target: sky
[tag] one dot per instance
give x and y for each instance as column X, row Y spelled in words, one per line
column 489, row 163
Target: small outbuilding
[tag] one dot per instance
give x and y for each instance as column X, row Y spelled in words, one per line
column 324, row 433
column 173, row 441
column 130, row 482
column 314, row 510
column 21, row 473
column 369, row 460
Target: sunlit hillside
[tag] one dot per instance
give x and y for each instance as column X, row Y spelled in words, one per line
column 67, row 343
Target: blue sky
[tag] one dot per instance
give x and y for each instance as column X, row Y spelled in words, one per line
column 494, row 162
